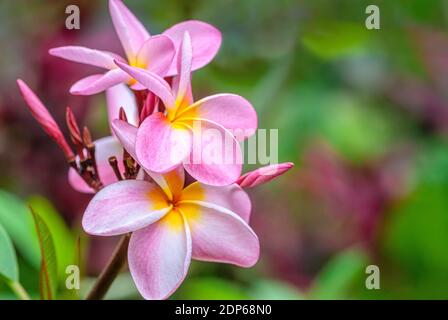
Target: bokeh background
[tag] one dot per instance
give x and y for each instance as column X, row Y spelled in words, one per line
column 362, row 113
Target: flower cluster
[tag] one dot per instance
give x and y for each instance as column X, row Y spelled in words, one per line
column 159, row 138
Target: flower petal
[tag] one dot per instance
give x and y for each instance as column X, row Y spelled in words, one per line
column 127, row 134
column 161, row 145
column 120, row 96
column 231, row 111
column 130, row 31
column 99, row 82
column 263, row 175
column 77, row 183
column 104, row 149
column 157, row 54
column 152, row 82
column 205, row 40
column 125, row 206
column 231, row 197
column 216, row 157
column 159, row 256
column 219, row 235
column 184, row 69
column 102, row 59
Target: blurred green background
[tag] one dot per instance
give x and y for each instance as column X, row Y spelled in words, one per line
column 362, row 113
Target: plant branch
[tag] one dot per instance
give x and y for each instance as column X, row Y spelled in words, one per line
column 110, row 272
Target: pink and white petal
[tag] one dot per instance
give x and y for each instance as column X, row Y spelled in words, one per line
column 263, row 175
column 77, row 183
column 104, row 149
column 184, row 61
column 126, row 134
column 205, row 40
column 231, row 197
column 161, row 145
column 107, row 147
column 130, row 30
column 157, row 54
column 216, row 157
column 159, row 257
column 219, row 235
column 137, row 86
column 102, row 59
column 151, row 81
column 85, row 83
column 124, row 206
column 99, row 82
column 120, row 96
column 231, row 111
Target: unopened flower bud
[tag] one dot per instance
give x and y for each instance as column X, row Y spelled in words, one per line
column 263, row 174
column 43, row 117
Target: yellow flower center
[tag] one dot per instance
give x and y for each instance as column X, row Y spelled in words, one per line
column 181, row 204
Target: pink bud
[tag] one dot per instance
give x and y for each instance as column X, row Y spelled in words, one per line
column 263, row 174
column 41, row 114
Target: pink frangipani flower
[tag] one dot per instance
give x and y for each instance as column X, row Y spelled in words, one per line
column 167, row 139
column 154, row 53
column 158, row 135
column 171, row 225
column 263, row 175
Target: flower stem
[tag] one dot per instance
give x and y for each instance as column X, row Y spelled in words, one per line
column 111, row 270
column 19, row 290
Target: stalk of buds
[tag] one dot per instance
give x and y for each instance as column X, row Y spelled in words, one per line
column 75, row 133
column 85, row 148
column 90, row 147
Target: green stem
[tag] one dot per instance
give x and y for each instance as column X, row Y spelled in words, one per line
column 19, row 290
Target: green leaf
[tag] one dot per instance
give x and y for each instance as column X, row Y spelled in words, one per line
column 359, row 131
column 269, row 85
column 63, row 239
column 210, row 288
column 312, row 111
column 332, row 39
column 415, row 240
column 334, row 281
column 49, row 271
column 18, row 223
column 8, row 260
column 274, row 290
